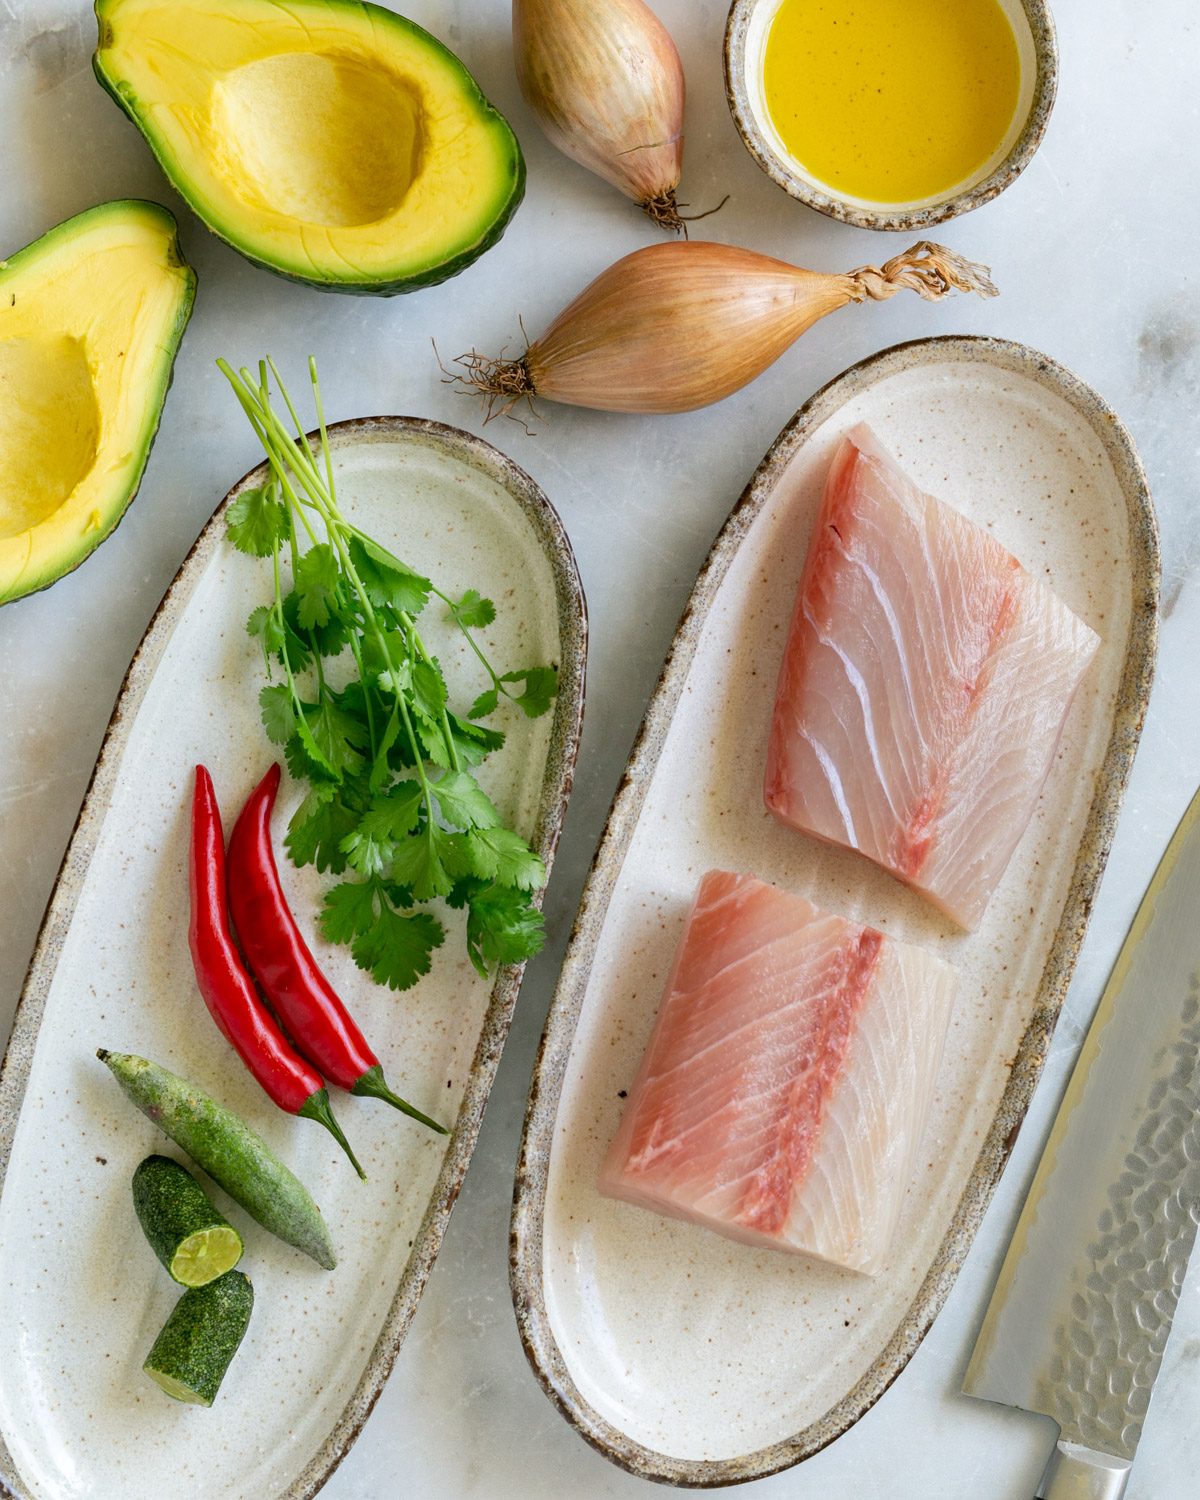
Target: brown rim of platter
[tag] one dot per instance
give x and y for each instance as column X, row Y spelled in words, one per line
column 556, row 791
column 909, row 220
column 526, row 1235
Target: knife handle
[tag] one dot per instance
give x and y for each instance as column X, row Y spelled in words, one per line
column 1078, row 1473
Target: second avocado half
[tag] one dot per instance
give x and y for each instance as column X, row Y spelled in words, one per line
column 331, row 141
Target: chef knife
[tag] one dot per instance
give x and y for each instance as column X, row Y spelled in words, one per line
column 1080, row 1314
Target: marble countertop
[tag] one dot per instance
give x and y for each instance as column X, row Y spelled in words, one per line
column 1094, row 250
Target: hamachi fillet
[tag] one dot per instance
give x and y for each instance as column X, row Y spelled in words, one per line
column 925, row 683
column 783, row 1094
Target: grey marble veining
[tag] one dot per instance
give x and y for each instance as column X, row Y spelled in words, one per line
column 1094, row 250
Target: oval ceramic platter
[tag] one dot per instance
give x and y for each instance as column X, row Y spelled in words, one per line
column 681, row 1355
column 81, row 1295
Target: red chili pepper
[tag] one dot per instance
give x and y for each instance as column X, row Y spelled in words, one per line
column 306, row 1004
column 228, row 989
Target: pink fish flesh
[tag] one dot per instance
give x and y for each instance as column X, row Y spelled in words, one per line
column 783, row 1094
column 924, row 686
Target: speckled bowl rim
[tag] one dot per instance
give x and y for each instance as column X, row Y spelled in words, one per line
column 1045, row 88
column 556, row 791
column 529, row 1197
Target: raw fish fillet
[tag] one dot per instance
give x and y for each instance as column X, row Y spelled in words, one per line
column 785, row 1088
column 924, row 686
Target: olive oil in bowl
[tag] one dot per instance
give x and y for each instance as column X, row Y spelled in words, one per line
column 887, row 103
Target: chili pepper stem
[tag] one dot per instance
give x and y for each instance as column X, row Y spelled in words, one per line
column 373, row 1085
column 316, row 1107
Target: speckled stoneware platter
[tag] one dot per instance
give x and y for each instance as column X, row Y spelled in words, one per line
column 81, row 1295
column 681, row 1355
column 746, row 34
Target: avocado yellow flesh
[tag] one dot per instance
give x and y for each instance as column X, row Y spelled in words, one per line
column 51, row 428
column 334, row 142
column 91, row 316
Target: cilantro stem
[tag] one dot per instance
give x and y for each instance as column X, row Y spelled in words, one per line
column 356, row 652
column 320, row 408
column 266, row 435
column 299, row 457
column 500, row 687
column 297, row 706
column 307, row 465
column 447, row 732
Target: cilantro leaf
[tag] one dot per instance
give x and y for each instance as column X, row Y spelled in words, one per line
column 335, row 734
column 503, row 856
column 396, row 949
column 389, row 584
column 418, row 863
column 370, row 846
column 458, row 861
column 302, row 765
column 367, row 849
column 316, row 581
column 257, row 521
column 396, row 680
column 329, row 639
column 541, row 686
column 317, row 828
column 473, row 741
column 313, row 752
column 473, row 610
column 278, row 713
column 388, row 664
column 401, row 807
column 263, row 625
column 295, row 650
column 347, row 911
column 431, row 736
column 381, row 769
column 464, row 802
column 462, row 891
column 428, row 688
column 485, row 704
column 398, row 895
column 503, row 927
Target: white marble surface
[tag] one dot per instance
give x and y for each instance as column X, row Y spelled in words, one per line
column 1094, row 250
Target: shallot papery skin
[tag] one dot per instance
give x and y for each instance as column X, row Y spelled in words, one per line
column 605, row 82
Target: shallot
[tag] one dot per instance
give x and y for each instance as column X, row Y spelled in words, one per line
column 604, row 79
column 677, row 326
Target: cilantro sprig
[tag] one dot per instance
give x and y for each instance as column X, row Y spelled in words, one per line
column 391, row 805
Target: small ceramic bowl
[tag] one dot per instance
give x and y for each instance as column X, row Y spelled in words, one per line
column 745, row 43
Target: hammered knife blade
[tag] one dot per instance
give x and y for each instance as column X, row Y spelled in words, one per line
column 1081, row 1311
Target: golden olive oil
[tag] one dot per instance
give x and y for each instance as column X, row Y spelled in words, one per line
column 890, row 101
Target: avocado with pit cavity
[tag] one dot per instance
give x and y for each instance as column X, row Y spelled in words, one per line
column 91, row 317
column 331, row 141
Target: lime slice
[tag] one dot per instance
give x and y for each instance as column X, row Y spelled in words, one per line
column 204, row 1256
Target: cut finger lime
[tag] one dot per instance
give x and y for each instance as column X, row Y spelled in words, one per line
column 198, row 1341
column 185, row 1231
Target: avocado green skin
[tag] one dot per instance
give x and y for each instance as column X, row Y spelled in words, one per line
column 200, row 1338
column 71, row 558
column 386, row 287
column 172, row 1206
column 232, row 1154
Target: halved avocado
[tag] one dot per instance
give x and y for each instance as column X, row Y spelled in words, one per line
column 91, row 316
column 332, row 141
